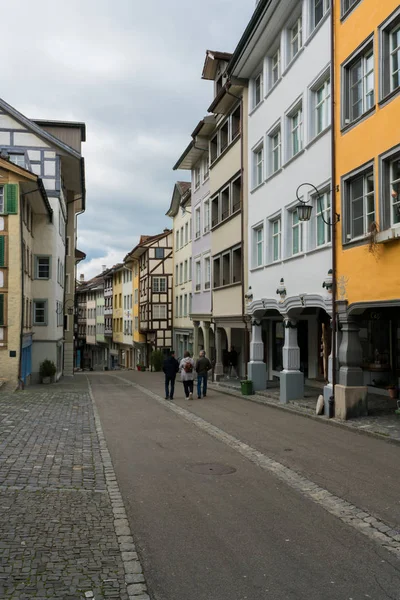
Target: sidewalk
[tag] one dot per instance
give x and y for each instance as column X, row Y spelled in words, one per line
column 58, row 536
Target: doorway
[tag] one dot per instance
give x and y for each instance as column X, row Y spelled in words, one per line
column 302, row 340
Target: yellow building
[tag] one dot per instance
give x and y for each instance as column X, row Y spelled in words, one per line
column 24, row 207
column 367, row 183
column 117, row 315
column 139, row 339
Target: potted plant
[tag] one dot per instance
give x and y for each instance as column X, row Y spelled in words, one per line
column 156, row 360
column 393, row 391
column 140, row 367
column 246, row 387
column 47, row 370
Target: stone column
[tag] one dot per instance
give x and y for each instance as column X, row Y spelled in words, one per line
column 350, row 393
column 256, row 368
column 219, row 369
column 291, row 378
column 328, row 388
column 196, row 337
column 206, row 334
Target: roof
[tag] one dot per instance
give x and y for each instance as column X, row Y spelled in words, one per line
column 79, row 255
column 68, row 124
column 211, row 62
column 145, row 242
column 9, row 166
column 248, row 33
column 181, row 191
column 229, row 94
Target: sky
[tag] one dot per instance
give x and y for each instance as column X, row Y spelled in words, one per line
column 131, row 70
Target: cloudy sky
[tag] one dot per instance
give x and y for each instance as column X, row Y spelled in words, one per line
column 131, row 70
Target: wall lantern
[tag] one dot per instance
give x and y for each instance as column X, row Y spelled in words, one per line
column 328, row 283
column 281, row 289
column 304, row 209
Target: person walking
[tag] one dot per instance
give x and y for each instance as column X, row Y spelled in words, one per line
column 186, row 368
column 203, row 365
column 233, row 362
column 170, row 368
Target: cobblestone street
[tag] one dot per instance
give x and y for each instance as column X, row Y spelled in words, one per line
column 58, row 536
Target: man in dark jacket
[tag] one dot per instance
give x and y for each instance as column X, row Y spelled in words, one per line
column 203, row 365
column 170, row 368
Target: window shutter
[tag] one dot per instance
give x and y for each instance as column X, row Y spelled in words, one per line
column 2, row 251
column 11, row 190
column 1, row 309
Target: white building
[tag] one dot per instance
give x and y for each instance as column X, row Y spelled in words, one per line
column 180, row 212
column 285, row 54
column 127, row 294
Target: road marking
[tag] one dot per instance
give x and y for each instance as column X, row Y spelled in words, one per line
column 375, row 529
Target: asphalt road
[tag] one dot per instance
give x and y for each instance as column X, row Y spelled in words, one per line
column 211, row 525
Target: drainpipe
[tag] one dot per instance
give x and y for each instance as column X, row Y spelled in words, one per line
column 21, row 336
column 334, row 191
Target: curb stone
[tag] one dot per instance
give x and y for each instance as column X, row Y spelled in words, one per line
column 135, row 582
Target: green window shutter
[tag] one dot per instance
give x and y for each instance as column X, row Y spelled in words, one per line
column 11, row 190
column 1, row 309
column 2, row 251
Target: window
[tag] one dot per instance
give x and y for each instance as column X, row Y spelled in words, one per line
column 236, row 193
column 323, row 211
column 207, row 273
column 18, row 159
column 359, row 205
column 394, row 186
column 2, row 207
column 296, row 132
column 159, row 284
column 159, row 311
column 359, row 85
column 225, row 203
column 181, row 273
column 177, row 240
column 190, row 269
column 124, row 302
column 275, row 145
column 390, row 55
column 177, row 306
column 224, row 136
column 159, row 253
column 297, row 233
column 235, row 123
column 258, row 234
column 206, row 216
column 319, row 8
column 185, row 271
column 43, row 267
column 295, row 38
column 217, row 272
column 258, row 90
column 197, row 178
column 190, row 304
column 214, row 211
column 206, row 169
column 237, row 264
column 214, row 148
column 186, row 232
column 347, row 5
column 258, row 158
column 197, row 222
column 39, row 312
column 198, row 276
column 176, row 274
column 275, row 67
column 180, row 306
column 136, row 296
column 322, row 106
column 226, row 268
column 185, row 305
column 276, row 239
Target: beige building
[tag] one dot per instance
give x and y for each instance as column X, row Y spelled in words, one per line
column 227, row 158
column 180, row 212
column 23, row 205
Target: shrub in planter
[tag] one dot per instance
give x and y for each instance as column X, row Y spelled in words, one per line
column 47, row 370
column 156, row 360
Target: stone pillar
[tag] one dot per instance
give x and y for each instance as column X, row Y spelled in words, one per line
column 256, row 368
column 291, row 378
column 350, row 393
column 196, row 337
column 206, row 334
column 328, row 388
column 219, row 369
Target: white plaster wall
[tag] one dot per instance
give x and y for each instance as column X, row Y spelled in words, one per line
column 305, row 273
column 201, row 301
column 184, row 253
column 127, row 290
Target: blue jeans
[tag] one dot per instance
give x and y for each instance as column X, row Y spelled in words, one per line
column 201, row 377
column 169, row 381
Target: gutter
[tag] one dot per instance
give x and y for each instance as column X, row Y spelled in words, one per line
column 21, row 335
column 334, row 189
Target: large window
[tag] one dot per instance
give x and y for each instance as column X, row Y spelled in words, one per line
column 258, row 90
column 390, row 55
column 159, row 311
column 275, row 145
column 323, row 211
column 258, row 162
column 18, row 159
column 297, row 233
column 319, row 8
column 322, row 97
column 394, row 186
column 196, row 178
column 295, row 38
column 359, row 207
column 236, row 193
column 207, row 216
column 198, row 276
column 40, row 312
column 158, row 253
column 159, row 284
column 197, row 222
column 347, row 5
column 207, row 273
column 276, row 227
column 359, row 94
column 296, row 131
column 275, row 67
column 226, row 134
column 43, row 267
column 258, row 234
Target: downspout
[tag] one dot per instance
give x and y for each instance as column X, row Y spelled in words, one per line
column 21, row 337
column 334, row 191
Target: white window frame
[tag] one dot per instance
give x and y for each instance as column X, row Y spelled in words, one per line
column 2, row 200
column 362, row 56
column 258, row 243
column 296, row 128
column 207, row 272
column 197, row 222
column 206, row 168
column 44, row 309
column 276, row 235
column 325, row 8
column 207, row 215
column 157, row 285
column 275, row 66
column 198, row 275
column 275, row 149
column 295, row 36
column 296, row 226
column 48, row 258
column 394, row 186
column 258, row 164
column 160, row 317
column 324, row 104
column 197, row 177
column 258, row 89
column 323, row 210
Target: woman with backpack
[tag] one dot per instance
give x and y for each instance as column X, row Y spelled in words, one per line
column 186, row 368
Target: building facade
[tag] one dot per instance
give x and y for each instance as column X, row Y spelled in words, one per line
column 127, row 293
column 180, row 212
column 367, row 183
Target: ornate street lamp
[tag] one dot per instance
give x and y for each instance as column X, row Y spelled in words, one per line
column 304, row 209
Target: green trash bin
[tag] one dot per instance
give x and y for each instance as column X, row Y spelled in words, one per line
column 246, row 387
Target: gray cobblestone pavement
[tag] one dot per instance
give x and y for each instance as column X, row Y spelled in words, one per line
column 63, row 528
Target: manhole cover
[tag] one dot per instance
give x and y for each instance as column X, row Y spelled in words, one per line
column 212, row 469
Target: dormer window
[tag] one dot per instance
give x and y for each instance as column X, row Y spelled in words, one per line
column 218, row 85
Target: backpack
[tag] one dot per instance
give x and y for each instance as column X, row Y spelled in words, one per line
column 188, row 367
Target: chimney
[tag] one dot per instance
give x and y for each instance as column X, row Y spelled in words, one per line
column 166, row 230
column 104, row 267
column 82, row 277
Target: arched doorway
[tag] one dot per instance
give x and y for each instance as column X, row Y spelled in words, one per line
column 212, row 356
